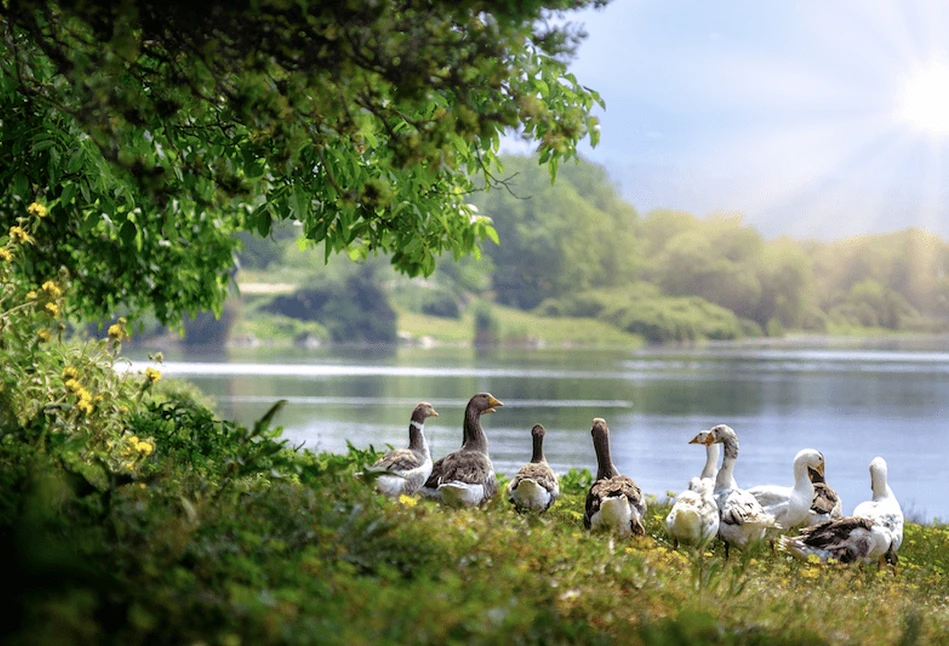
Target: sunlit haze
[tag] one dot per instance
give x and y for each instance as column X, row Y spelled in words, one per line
column 810, row 119
column 923, row 99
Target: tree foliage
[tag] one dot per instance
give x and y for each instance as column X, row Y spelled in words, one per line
column 154, row 130
column 573, row 235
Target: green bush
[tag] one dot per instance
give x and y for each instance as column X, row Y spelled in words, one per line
column 487, row 327
column 645, row 311
column 355, row 310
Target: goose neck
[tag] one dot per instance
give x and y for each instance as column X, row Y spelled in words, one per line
column 604, row 463
column 710, row 470
column 473, row 436
column 417, row 441
column 537, row 455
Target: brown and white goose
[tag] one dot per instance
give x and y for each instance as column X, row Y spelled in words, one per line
column 403, row 471
column 535, row 486
column 849, row 540
column 826, row 502
column 614, row 501
column 873, row 534
column 466, row 477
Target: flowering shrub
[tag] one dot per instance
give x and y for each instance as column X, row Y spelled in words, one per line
column 65, row 399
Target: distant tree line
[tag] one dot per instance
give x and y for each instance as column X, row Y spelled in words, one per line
column 575, row 247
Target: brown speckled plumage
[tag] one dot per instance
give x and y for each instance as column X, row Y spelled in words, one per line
column 826, row 504
column 610, row 483
column 538, row 472
column 470, row 464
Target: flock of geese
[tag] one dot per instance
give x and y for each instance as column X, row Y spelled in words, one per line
column 712, row 506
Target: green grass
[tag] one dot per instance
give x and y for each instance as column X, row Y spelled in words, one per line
column 519, row 328
column 292, row 549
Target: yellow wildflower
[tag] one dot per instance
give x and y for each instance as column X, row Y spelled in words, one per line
column 408, row 501
column 145, row 447
column 85, row 401
column 5, row 255
column 52, row 309
column 37, row 209
column 44, row 335
column 152, row 375
column 31, row 295
column 19, row 236
column 116, row 332
column 810, row 573
column 52, row 289
column 70, row 372
column 73, row 386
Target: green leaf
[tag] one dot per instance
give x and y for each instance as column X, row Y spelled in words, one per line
column 69, row 192
column 264, row 222
column 128, row 232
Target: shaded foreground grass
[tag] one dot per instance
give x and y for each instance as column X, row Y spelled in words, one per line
column 289, row 547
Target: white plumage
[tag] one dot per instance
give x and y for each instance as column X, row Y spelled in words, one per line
column 693, row 518
column 883, row 508
column 742, row 519
column 791, row 506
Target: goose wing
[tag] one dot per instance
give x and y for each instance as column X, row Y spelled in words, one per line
column 398, row 460
column 539, row 472
column 611, row 488
column 826, row 501
column 739, row 507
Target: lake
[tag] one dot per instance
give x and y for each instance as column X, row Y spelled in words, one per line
column 852, row 400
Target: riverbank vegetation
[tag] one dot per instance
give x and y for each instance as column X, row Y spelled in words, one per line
column 575, row 250
column 133, row 514
column 132, row 173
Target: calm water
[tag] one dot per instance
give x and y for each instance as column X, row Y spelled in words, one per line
column 853, row 403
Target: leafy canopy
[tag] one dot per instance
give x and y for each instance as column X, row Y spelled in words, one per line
column 155, row 130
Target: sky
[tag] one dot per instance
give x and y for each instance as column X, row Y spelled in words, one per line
column 810, row 119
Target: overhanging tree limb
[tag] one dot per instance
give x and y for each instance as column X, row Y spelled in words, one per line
column 174, row 124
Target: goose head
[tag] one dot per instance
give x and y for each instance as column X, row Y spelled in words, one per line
column 812, row 459
column 721, row 434
column 423, row 410
column 484, row 403
column 700, row 438
column 538, row 431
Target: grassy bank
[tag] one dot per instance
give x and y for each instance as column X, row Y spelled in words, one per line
column 516, row 328
column 519, row 328
column 227, row 537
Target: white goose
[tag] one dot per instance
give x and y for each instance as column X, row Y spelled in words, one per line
column 535, row 486
column 883, row 508
column 403, row 471
column 873, row 534
column 466, row 477
column 693, row 518
column 614, row 501
column 791, row 506
column 742, row 520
